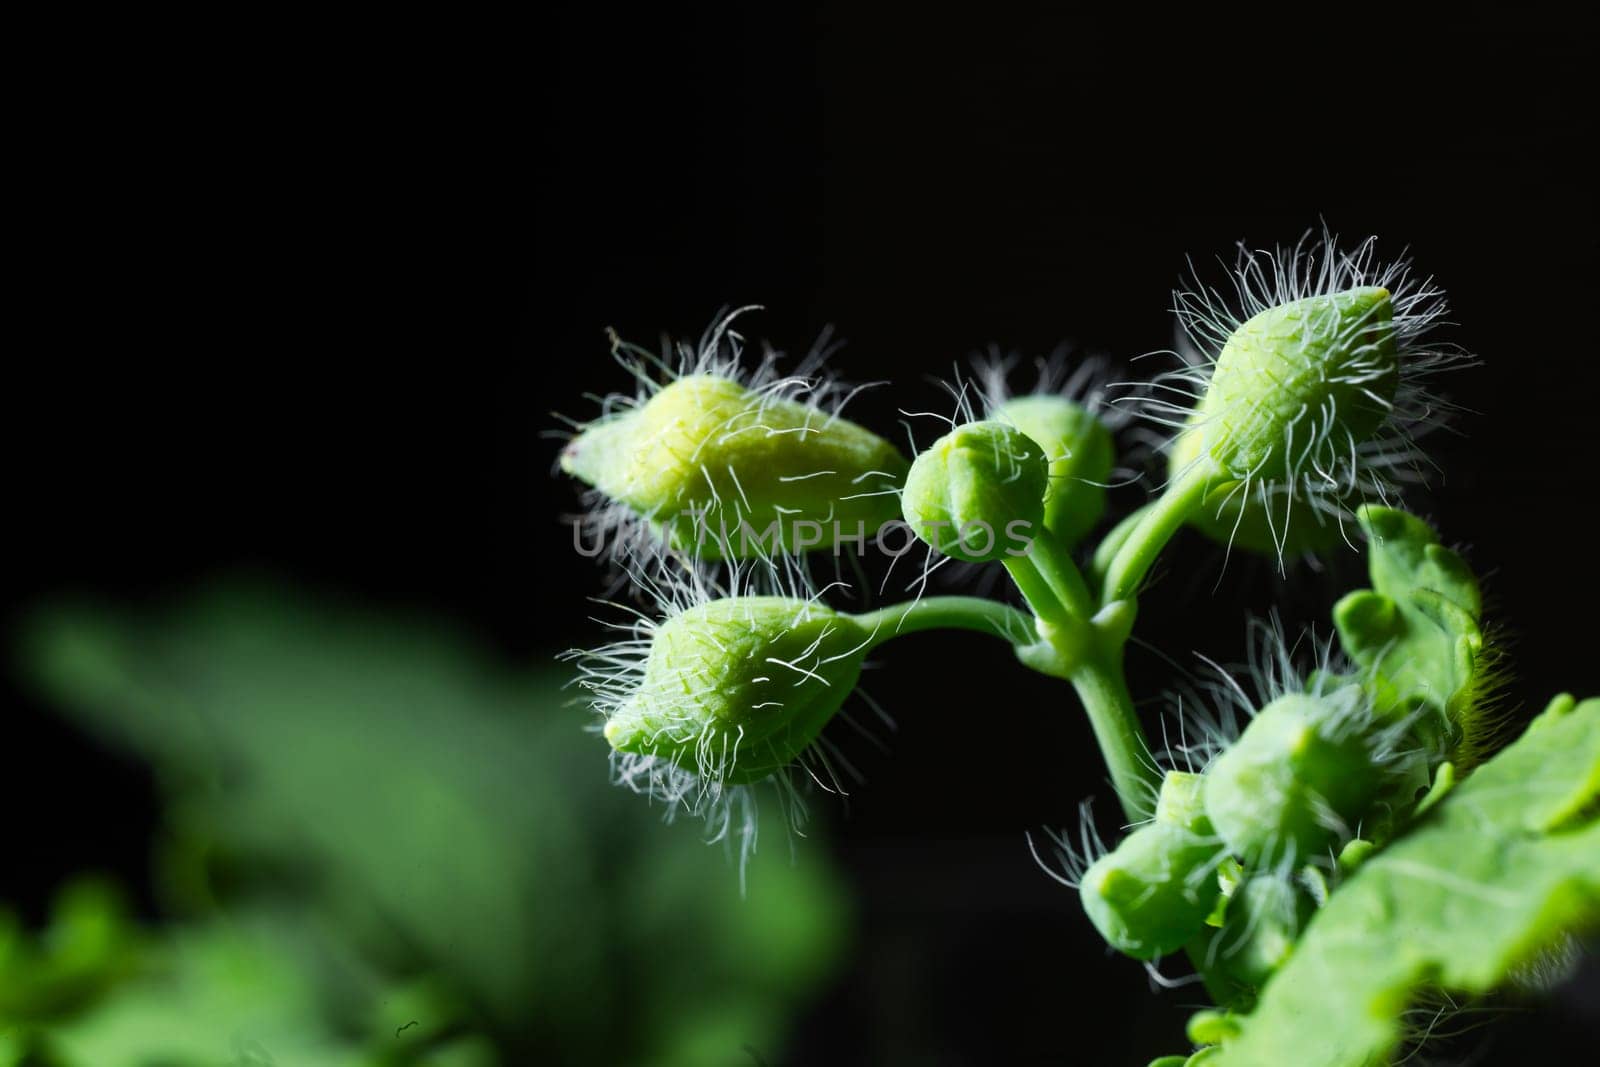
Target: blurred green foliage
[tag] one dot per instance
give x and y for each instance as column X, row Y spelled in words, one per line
column 370, row 825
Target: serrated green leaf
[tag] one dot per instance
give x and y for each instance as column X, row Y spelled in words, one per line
column 1505, row 867
column 1416, row 632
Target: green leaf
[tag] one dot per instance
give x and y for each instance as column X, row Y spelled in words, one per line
column 439, row 813
column 1416, row 631
column 88, row 947
column 257, row 987
column 234, row 992
column 1503, row 868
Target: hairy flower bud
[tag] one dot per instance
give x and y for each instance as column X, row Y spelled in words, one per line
column 1299, row 773
column 1309, row 387
column 1263, row 921
column 737, row 688
column 1081, row 453
column 1151, row 894
column 1262, row 520
column 716, row 465
column 977, row 492
column 1322, row 365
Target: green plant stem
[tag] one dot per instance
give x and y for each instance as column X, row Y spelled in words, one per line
column 1037, row 590
column 1113, row 541
column 1155, row 528
column 948, row 613
column 1088, row 652
column 1096, row 667
column 1104, row 691
column 1053, row 563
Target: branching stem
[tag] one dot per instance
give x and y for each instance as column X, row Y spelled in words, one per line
column 948, row 613
column 1156, row 526
column 1104, row 691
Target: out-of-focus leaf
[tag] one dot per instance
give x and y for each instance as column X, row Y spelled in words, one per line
column 446, row 815
column 90, row 944
column 1505, row 867
column 225, row 993
column 247, row 991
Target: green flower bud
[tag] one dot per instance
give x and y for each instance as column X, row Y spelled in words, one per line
column 724, row 470
column 1333, row 353
column 978, row 493
column 1262, row 520
column 1263, row 921
column 738, row 688
column 1311, row 388
column 1151, row 894
column 1211, row 1027
column 1081, row 453
column 1181, row 803
column 1297, row 774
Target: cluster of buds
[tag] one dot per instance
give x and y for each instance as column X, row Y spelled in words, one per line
column 1307, row 396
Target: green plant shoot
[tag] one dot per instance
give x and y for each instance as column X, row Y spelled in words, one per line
column 1353, row 845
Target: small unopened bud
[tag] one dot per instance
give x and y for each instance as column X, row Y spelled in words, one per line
column 1331, row 357
column 1304, row 380
column 1151, row 894
column 1081, row 453
column 1296, row 777
column 1311, row 387
column 737, row 688
column 966, row 492
column 1260, row 518
column 1263, row 921
column 713, row 464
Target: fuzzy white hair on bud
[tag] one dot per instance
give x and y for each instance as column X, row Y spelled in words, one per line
column 1305, row 695
column 708, row 450
column 1305, row 389
column 1085, row 380
column 1207, row 711
column 1069, row 856
column 720, row 694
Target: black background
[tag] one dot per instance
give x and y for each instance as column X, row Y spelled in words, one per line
column 303, row 298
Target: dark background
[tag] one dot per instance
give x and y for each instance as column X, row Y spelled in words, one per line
column 305, row 298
